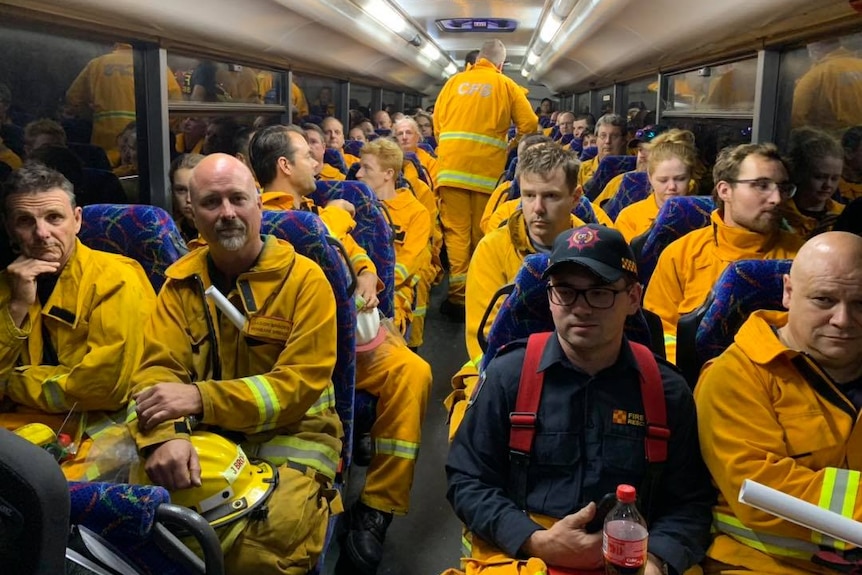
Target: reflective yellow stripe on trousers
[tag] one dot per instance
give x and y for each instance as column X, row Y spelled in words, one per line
column 772, row 544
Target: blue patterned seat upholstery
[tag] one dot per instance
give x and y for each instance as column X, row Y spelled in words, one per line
column 576, row 145
column 584, row 210
column 126, row 515
column 744, row 286
column 373, row 231
column 677, row 217
column 588, row 153
column 509, row 176
column 634, row 188
column 545, row 121
column 609, row 167
column 353, row 147
column 306, row 232
column 429, row 145
column 147, row 234
column 335, row 159
column 526, row 311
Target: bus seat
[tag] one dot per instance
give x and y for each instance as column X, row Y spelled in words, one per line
column 140, row 522
column 545, row 121
column 103, row 187
column 334, row 159
column 91, row 156
column 34, row 509
column 511, row 169
column 576, row 145
column 372, row 231
column 353, row 147
column 677, row 217
column 428, row 147
column 307, row 234
column 634, row 188
column 146, row 234
column 743, row 287
column 609, row 167
column 383, row 132
column 584, row 210
column 566, row 139
column 526, row 311
column 588, row 153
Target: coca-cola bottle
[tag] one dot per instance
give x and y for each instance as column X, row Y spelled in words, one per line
column 624, row 537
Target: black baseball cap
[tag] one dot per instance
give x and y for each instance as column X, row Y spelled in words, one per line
column 602, row 250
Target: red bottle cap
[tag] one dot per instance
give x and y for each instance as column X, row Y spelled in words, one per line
column 626, row 493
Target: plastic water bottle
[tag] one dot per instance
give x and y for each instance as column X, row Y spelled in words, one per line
column 624, row 537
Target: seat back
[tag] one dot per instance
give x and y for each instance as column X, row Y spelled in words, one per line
column 146, row 234
column 353, row 147
column 576, row 145
column 584, row 210
column 588, row 153
column 430, row 146
column 509, row 176
column 91, row 156
column 609, row 167
column 307, row 234
column 372, row 231
column 526, row 311
column 634, row 188
column 545, row 121
column 744, row 286
column 34, row 509
column 334, row 159
column 103, row 187
column 677, row 217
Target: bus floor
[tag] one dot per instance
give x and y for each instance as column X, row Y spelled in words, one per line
column 427, row 540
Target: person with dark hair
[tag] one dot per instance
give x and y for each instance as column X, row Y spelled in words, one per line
column 850, row 184
column 179, row 175
column 470, row 59
column 850, row 219
column 72, row 317
column 219, row 136
column 63, row 160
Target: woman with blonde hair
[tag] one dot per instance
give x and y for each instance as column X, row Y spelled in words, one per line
column 671, row 166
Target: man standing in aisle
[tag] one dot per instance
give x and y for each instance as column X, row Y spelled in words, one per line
column 471, row 119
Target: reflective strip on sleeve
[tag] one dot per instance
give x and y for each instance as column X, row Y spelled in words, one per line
column 131, row 411
column 457, row 279
column 325, row 402
column 315, row 455
column 54, row 395
column 771, row 544
column 475, row 138
column 669, row 340
column 420, row 311
column 267, row 402
column 838, row 495
column 396, row 448
column 401, row 273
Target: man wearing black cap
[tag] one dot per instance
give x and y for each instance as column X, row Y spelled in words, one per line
column 590, row 430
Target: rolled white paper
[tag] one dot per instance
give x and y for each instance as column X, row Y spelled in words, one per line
column 800, row 512
column 234, row 315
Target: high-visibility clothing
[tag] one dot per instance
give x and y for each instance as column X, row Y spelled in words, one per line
column 760, row 418
column 611, row 189
column 93, row 319
column 9, row 157
column 637, row 218
column 587, row 169
column 827, row 96
column 429, row 162
column 460, row 213
column 271, row 382
column 849, row 190
column 412, row 231
column 300, row 103
column 180, row 145
column 401, row 381
column 808, row 226
column 472, row 116
column 688, row 268
column 495, row 263
column 330, row 172
column 506, row 209
column 105, row 91
column 498, row 197
column 430, row 200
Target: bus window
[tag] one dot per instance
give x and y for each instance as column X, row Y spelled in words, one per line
column 820, row 85
column 582, row 103
column 639, row 102
column 725, row 89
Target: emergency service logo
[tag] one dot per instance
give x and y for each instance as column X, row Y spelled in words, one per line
column 623, row 417
column 583, row 238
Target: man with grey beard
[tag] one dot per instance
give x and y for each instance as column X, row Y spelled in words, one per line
column 264, row 382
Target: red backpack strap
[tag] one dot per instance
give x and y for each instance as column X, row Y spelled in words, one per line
column 655, row 410
column 523, row 419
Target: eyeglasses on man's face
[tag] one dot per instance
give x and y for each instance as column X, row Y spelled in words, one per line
column 767, row 186
column 596, row 297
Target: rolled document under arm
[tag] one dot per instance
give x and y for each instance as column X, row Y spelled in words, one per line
column 234, row 315
column 800, row 512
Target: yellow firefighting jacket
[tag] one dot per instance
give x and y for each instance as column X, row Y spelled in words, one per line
column 270, row 382
column 93, row 318
column 759, row 418
column 636, row 218
column 688, row 268
column 807, row 226
column 472, row 116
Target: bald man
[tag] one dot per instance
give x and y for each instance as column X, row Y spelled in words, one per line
column 267, row 385
column 780, row 406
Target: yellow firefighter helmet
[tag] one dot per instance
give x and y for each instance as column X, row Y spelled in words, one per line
column 232, row 486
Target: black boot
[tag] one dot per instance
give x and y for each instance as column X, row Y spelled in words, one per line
column 364, row 543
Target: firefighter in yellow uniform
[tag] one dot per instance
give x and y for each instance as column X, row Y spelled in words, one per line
column 611, row 133
column 70, row 331
column 264, row 377
column 751, row 184
column 502, row 214
column 828, row 94
column 547, row 175
column 472, row 116
column 792, row 426
column 105, row 92
column 399, row 378
column 333, row 138
column 816, row 164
